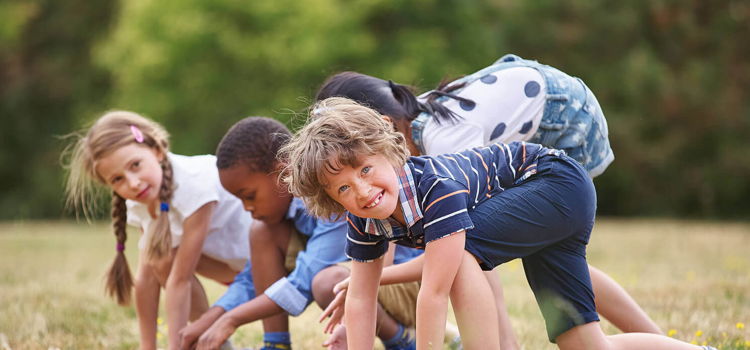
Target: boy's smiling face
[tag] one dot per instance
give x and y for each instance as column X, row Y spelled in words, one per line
column 262, row 194
column 369, row 190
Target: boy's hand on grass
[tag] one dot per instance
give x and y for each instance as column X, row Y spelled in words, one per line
column 335, row 310
column 216, row 335
column 189, row 335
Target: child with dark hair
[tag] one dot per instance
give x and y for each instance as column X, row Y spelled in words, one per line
column 511, row 100
column 290, row 248
column 469, row 211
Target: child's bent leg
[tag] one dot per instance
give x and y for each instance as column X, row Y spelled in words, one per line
column 617, row 306
column 470, row 295
column 215, row 270
column 590, row 337
column 508, row 339
column 268, row 244
column 198, row 299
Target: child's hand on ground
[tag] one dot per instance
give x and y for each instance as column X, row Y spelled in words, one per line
column 337, row 340
column 189, row 335
column 216, row 335
column 335, row 310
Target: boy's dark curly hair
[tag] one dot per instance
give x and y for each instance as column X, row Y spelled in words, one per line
column 253, row 142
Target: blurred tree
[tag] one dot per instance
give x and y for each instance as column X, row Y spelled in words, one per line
column 672, row 77
column 198, row 66
column 46, row 80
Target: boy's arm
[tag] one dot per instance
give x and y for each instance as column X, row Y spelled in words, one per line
column 258, row 308
column 405, row 272
column 324, row 248
column 361, row 306
column 409, row 271
column 189, row 335
column 292, row 293
column 441, row 262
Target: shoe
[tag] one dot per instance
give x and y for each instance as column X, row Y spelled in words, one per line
column 408, row 341
column 275, row 346
column 227, row 345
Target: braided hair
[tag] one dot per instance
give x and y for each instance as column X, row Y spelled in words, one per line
column 111, row 131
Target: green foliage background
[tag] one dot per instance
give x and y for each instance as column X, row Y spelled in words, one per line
column 672, row 76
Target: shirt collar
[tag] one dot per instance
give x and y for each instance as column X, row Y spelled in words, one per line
column 294, row 208
column 407, row 195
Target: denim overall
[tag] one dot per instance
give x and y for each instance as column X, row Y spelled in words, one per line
column 572, row 120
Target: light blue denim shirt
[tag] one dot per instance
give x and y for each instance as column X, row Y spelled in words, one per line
column 325, row 247
column 240, row 291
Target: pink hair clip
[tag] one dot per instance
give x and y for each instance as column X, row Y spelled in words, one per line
column 137, row 133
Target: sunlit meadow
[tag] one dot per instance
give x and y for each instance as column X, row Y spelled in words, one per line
column 693, row 279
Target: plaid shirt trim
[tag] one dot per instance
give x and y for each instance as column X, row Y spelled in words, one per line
column 407, row 196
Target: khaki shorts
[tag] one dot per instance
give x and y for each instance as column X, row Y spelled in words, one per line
column 398, row 300
column 297, row 243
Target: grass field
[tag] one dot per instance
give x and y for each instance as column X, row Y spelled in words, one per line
column 693, row 278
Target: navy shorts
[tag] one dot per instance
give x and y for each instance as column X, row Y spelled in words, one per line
column 546, row 221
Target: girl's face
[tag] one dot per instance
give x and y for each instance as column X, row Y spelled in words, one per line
column 133, row 172
column 369, row 190
column 263, row 195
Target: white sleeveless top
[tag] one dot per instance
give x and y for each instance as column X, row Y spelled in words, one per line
column 196, row 180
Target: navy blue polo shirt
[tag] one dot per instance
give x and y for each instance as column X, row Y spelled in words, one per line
column 437, row 194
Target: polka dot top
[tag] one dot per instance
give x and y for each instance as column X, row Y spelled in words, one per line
column 508, row 107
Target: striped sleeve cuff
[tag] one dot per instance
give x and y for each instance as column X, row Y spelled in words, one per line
column 286, row 295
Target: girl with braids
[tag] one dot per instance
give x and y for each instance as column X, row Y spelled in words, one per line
column 511, row 100
column 189, row 222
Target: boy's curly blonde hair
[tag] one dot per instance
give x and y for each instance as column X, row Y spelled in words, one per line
column 338, row 132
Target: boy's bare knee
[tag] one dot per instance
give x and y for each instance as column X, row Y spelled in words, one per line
column 324, row 281
column 264, row 236
column 260, row 233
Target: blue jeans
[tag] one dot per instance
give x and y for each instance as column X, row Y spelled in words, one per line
column 572, row 120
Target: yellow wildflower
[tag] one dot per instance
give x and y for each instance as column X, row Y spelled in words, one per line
column 698, row 333
column 740, row 325
column 671, row 332
column 159, row 320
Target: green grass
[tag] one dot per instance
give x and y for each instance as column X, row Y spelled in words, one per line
column 693, row 279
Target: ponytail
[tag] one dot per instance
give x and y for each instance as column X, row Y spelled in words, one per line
column 111, row 131
column 436, row 108
column 160, row 242
column 119, row 279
